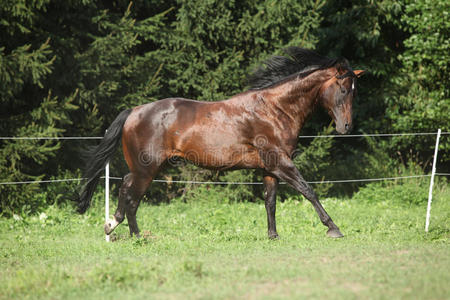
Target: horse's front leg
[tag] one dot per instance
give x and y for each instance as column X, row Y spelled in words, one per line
column 270, row 197
column 285, row 170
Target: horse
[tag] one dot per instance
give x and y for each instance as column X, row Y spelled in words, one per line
column 255, row 129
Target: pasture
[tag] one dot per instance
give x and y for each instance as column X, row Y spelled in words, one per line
column 214, row 250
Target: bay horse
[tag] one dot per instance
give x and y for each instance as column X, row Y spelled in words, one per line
column 256, row 129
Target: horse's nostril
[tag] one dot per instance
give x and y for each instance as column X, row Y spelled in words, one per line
column 347, row 126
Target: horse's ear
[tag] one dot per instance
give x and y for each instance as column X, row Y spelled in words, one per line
column 359, row 73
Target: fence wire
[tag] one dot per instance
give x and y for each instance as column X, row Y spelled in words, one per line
column 230, row 182
column 235, row 183
column 300, row 136
column 51, row 138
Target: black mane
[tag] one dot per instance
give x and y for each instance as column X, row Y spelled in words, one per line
column 298, row 61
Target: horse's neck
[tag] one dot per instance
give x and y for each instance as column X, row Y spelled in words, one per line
column 297, row 98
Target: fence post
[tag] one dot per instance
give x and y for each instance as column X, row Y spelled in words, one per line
column 433, row 172
column 107, row 195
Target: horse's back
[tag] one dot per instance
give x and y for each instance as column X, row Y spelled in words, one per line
column 166, row 113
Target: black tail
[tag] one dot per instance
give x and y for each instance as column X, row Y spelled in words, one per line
column 98, row 157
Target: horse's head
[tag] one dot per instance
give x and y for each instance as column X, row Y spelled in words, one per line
column 336, row 96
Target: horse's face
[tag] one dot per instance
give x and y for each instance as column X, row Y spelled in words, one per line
column 336, row 96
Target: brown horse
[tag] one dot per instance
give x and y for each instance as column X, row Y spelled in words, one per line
column 256, row 129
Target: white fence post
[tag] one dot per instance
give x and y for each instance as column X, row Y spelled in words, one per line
column 107, row 196
column 433, row 172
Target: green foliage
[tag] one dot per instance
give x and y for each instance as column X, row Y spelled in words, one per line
column 114, row 75
column 228, row 193
column 28, row 106
column 21, row 66
column 208, row 55
column 408, row 193
column 25, row 160
column 422, row 100
column 238, row 193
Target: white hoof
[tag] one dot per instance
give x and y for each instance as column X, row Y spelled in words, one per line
column 110, row 225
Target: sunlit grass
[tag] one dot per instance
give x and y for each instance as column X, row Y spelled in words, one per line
column 209, row 249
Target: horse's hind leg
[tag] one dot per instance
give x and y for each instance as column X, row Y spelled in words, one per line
column 138, row 188
column 130, row 193
column 119, row 215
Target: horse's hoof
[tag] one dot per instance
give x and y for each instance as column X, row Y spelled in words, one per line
column 135, row 234
column 334, row 233
column 274, row 236
column 110, row 225
column 108, row 228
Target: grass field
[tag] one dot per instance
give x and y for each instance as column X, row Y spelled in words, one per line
column 213, row 250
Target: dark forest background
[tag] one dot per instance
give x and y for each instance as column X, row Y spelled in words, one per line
column 67, row 68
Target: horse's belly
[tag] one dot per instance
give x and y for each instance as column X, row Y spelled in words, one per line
column 222, row 158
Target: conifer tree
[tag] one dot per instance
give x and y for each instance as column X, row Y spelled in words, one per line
column 28, row 106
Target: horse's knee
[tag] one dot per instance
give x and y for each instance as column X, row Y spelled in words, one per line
column 119, row 217
column 133, row 204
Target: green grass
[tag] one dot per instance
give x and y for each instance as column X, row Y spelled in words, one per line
column 212, row 250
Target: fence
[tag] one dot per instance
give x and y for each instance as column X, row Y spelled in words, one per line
column 107, row 177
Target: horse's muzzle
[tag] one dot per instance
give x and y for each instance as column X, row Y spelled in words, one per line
column 344, row 128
